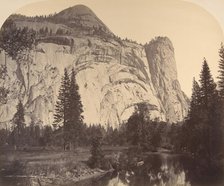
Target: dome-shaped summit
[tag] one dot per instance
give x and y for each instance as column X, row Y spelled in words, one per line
column 78, row 10
column 81, row 14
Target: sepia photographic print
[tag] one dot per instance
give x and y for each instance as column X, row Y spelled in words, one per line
column 112, row 93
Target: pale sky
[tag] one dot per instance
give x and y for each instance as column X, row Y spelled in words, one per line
column 196, row 31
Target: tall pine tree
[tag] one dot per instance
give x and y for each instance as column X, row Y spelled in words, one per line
column 221, row 92
column 203, row 124
column 61, row 116
column 208, row 86
column 75, row 108
column 195, row 101
column 191, row 132
column 210, row 120
column 221, row 72
column 19, row 122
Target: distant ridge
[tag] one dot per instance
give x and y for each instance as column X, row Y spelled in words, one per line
column 73, row 19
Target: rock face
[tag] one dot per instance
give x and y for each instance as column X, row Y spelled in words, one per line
column 113, row 74
column 162, row 65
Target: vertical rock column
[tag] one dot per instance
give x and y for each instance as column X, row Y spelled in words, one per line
column 162, row 67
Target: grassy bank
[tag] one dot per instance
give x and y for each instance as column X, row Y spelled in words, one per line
column 51, row 166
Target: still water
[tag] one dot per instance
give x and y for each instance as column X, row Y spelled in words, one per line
column 161, row 170
column 153, row 170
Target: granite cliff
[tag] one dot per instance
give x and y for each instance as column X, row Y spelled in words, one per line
column 113, row 74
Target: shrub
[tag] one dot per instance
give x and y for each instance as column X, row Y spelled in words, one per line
column 97, row 160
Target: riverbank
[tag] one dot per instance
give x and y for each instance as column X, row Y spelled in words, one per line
column 55, row 179
column 51, row 167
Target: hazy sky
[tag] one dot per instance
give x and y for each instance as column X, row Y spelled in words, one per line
column 195, row 32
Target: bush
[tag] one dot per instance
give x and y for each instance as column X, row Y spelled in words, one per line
column 97, row 160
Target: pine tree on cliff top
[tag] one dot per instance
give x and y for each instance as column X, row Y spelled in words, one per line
column 14, row 41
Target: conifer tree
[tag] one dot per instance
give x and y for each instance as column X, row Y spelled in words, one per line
column 195, row 101
column 221, row 72
column 61, row 116
column 210, row 117
column 75, row 108
column 14, row 41
column 191, row 131
column 221, row 89
column 203, row 121
column 208, row 86
column 19, row 122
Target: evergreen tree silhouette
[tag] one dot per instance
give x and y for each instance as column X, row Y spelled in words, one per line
column 19, row 122
column 203, row 124
column 75, row 111
column 195, row 100
column 208, row 86
column 61, row 116
column 221, row 72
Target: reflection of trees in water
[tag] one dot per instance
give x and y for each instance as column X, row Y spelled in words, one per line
column 198, row 171
column 171, row 170
column 159, row 170
column 156, row 170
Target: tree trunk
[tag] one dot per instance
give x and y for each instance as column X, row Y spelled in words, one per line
column 5, row 59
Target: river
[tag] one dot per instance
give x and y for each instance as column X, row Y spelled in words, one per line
column 155, row 169
column 161, row 169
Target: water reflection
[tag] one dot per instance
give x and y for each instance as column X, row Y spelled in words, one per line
column 156, row 170
column 150, row 170
column 161, row 170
